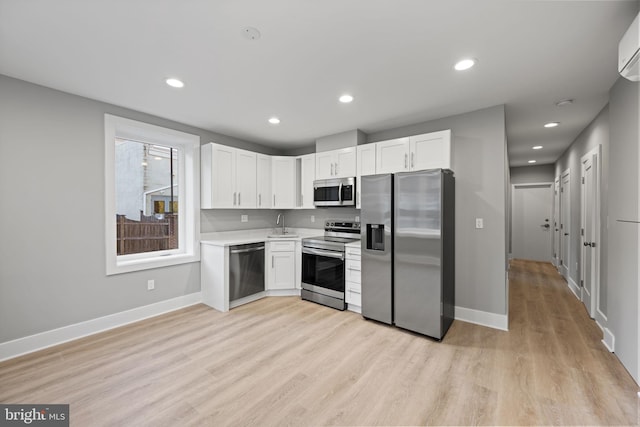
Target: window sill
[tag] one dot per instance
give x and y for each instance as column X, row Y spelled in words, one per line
column 150, row 263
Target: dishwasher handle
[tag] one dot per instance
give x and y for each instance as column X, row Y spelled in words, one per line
column 242, row 251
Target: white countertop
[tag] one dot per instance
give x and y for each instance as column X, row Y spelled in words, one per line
column 241, row 237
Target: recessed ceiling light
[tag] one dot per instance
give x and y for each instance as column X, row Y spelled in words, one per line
column 537, row 147
column 551, row 124
column 531, row 161
column 564, row 102
column 174, row 83
column 274, row 120
column 465, row 64
column 345, row 99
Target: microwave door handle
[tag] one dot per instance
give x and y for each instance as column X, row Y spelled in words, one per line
column 340, row 193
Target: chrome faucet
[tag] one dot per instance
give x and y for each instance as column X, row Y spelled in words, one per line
column 278, row 222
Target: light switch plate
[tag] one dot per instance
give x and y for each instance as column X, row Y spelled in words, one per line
column 479, row 223
column 244, row 218
column 313, row 218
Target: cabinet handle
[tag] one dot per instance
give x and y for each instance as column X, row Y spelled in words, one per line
column 406, row 160
column 234, row 199
column 336, row 168
column 259, row 199
column 274, row 200
column 239, row 199
column 271, row 261
column 331, row 169
column 412, row 160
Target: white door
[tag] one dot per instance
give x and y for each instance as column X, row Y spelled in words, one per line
column 246, row 170
column 531, row 222
column 345, row 162
column 283, row 172
column 556, row 222
column 430, row 151
column 589, row 229
column 565, row 223
column 223, row 177
column 392, row 156
column 325, row 165
column 263, row 181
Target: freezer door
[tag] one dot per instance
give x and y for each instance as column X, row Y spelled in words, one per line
column 377, row 247
column 418, row 252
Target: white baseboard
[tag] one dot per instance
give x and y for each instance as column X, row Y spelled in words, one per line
column 354, row 308
column 40, row 341
column 574, row 288
column 483, row 318
column 609, row 340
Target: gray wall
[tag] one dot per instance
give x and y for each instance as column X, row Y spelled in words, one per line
column 479, row 157
column 301, row 218
column 597, row 132
column 52, row 259
column 622, row 262
column 532, row 174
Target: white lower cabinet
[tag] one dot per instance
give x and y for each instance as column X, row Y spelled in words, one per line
column 353, row 287
column 281, row 265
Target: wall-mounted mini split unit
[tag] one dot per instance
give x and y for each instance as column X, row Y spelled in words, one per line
column 629, row 52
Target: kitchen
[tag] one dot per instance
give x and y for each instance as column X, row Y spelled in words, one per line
column 69, row 292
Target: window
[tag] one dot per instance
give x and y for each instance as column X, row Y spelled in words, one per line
column 152, row 194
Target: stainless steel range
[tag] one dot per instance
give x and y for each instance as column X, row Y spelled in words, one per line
column 323, row 263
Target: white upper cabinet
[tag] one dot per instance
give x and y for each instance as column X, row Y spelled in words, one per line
column 336, row 163
column 427, row 151
column 366, row 165
column 263, row 182
column 228, row 177
column 431, row 151
column 307, row 175
column 283, row 182
column 392, row 156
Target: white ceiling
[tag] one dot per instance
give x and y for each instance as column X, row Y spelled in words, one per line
column 395, row 57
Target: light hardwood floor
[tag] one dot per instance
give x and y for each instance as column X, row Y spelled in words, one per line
column 283, row 361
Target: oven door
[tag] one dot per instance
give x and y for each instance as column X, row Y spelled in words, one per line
column 323, row 271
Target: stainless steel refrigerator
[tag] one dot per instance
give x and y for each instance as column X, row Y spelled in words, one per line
column 408, row 252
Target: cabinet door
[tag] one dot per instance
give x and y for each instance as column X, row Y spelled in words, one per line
column 325, row 165
column 431, row 150
column 281, row 270
column 263, row 181
column 307, row 176
column 246, row 179
column 283, row 171
column 365, row 165
column 392, row 156
column 223, row 177
column 345, row 162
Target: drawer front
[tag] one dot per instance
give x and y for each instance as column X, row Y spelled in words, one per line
column 353, row 252
column 282, row 246
column 353, row 286
column 352, row 271
column 353, row 297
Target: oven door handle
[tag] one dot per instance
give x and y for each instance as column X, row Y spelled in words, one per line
column 320, row 252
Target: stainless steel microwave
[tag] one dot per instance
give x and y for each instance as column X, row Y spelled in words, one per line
column 334, row 192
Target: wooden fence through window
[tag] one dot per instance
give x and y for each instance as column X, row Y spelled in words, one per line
column 147, row 235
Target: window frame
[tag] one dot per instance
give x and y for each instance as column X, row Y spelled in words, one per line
column 188, row 185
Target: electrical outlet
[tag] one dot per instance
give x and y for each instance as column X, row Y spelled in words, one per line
column 313, row 218
column 151, row 285
column 479, row 223
column 244, row 218
column 357, row 219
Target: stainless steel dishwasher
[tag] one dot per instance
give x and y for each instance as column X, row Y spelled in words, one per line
column 246, row 270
